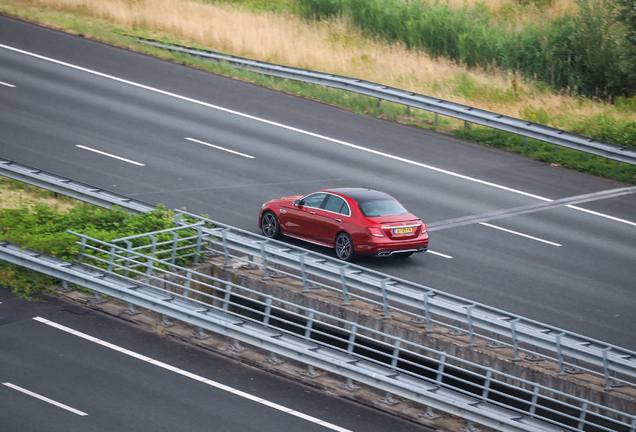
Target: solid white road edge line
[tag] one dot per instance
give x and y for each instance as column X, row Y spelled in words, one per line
column 220, row 148
column 519, row 234
column 110, row 155
column 7, row 84
column 315, row 135
column 45, row 399
column 193, row 376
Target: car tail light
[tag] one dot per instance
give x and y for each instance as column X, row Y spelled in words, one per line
column 423, row 228
column 375, row 231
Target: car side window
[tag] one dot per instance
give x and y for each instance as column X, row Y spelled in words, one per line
column 337, row 205
column 313, row 200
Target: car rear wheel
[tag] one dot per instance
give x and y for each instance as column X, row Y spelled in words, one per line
column 270, row 225
column 344, row 247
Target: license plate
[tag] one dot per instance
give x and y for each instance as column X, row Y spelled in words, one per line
column 408, row 230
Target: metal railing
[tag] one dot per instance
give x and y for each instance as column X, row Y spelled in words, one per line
column 391, row 364
column 438, row 106
column 572, row 352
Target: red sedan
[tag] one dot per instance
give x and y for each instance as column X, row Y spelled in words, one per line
column 351, row 220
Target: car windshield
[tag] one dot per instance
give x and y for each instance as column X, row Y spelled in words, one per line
column 381, row 207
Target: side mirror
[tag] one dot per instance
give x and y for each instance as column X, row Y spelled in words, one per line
column 297, row 202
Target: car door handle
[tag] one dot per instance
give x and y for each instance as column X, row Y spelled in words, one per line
column 312, row 212
column 338, row 220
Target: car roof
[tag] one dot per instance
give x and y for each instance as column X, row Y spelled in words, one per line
column 358, row 194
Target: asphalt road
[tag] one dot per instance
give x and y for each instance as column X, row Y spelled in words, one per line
column 565, row 267
column 90, row 386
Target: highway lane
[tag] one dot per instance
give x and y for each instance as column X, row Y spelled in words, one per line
column 572, row 269
column 92, row 386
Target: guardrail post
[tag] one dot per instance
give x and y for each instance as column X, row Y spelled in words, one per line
column 515, row 343
column 606, row 370
column 80, row 256
column 311, row 372
column 301, row 258
column 436, row 119
column 471, row 331
column 111, row 260
column 98, row 298
column 388, row 399
column 582, row 416
column 186, row 285
column 533, row 402
column 352, row 339
column 264, row 258
column 149, row 269
column 440, row 369
column 268, row 311
column 310, row 323
column 175, row 245
column 427, row 313
column 153, row 249
column 226, row 251
column 127, row 260
column 345, row 291
column 525, row 141
column 226, row 297
column 429, row 414
column 350, row 386
column 198, row 246
column 484, row 393
column 560, row 354
column 396, row 355
column 385, row 300
column 131, row 309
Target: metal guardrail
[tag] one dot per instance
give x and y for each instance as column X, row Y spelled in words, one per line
column 397, row 366
column 572, row 352
column 71, row 188
column 438, row 106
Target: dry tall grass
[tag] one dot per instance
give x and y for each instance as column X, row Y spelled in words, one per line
column 332, row 47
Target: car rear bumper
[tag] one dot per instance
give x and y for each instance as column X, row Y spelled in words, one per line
column 382, row 247
column 389, row 252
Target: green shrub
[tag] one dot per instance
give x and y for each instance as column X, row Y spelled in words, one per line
column 43, row 228
column 580, row 54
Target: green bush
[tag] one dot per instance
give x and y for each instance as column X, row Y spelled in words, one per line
column 43, row 228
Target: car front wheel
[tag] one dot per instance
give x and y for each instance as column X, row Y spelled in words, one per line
column 344, row 247
column 270, row 225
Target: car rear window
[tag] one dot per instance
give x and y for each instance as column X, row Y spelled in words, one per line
column 381, row 207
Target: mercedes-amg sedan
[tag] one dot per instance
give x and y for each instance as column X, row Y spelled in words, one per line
column 350, row 220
